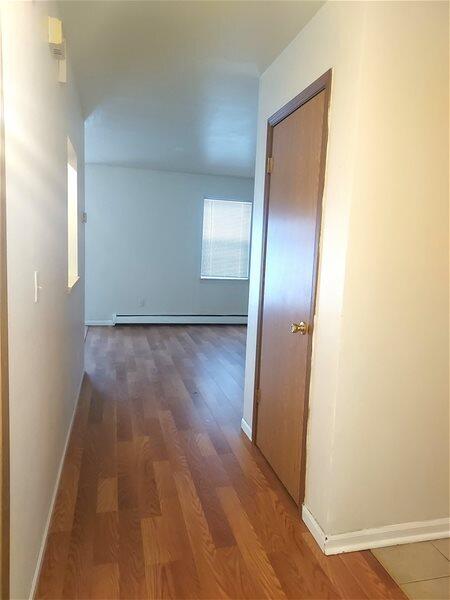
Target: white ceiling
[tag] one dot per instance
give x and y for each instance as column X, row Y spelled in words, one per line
column 173, row 85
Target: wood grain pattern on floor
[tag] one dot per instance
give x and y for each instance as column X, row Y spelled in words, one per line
column 163, row 496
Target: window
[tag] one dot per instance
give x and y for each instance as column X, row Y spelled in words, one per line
column 226, row 239
column 72, row 216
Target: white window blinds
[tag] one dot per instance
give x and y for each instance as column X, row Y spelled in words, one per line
column 226, row 239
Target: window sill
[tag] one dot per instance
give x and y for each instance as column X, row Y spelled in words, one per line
column 223, row 278
column 73, row 284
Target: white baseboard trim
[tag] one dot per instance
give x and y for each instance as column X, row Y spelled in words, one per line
column 314, row 528
column 94, row 323
column 41, row 554
column 246, row 428
column 366, row 539
column 180, row 320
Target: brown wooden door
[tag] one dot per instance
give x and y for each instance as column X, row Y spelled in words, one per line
column 293, row 214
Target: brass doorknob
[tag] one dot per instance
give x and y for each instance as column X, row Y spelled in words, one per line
column 301, row 328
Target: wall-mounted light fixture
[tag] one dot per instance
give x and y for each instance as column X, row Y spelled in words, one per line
column 57, row 45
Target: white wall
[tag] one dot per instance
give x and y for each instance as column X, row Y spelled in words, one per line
column 143, row 242
column 378, row 429
column 46, row 339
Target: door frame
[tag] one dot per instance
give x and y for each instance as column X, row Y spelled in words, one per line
column 323, row 83
column 4, row 369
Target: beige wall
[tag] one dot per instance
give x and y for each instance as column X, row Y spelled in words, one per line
column 46, row 339
column 378, row 426
column 393, row 395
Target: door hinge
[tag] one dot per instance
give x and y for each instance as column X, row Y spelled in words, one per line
column 258, row 395
column 269, row 167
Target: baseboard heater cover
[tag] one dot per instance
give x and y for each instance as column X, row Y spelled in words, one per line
column 122, row 319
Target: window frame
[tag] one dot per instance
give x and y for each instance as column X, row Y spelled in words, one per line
column 218, row 277
column 73, row 274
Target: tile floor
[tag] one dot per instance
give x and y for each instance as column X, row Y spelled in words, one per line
column 422, row 570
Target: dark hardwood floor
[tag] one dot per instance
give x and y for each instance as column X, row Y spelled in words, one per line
column 162, row 496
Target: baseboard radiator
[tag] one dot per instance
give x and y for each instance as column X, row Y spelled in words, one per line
column 122, row 319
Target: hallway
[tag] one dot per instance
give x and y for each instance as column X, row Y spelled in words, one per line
column 163, row 496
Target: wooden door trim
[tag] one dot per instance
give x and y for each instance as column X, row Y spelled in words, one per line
column 4, row 370
column 323, row 83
